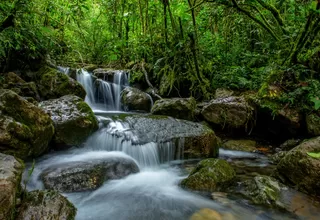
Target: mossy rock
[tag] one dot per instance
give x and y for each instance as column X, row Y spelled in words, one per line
column 233, row 112
column 25, row 129
column 300, row 169
column 54, row 84
column 182, row 108
column 135, row 100
column 240, row 145
column 73, row 119
column 210, row 175
column 13, row 82
column 46, row 205
column 264, row 190
column 10, row 177
column 313, row 123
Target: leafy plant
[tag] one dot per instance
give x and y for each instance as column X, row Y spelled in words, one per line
column 314, row 155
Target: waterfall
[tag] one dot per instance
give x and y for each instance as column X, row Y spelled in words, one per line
column 101, row 94
column 85, row 79
column 118, row 136
column 65, row 70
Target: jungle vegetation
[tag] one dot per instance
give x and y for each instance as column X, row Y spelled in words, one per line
column 188, row 47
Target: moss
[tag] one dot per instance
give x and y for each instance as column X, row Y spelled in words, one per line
column 54, row 84
column 209, row 175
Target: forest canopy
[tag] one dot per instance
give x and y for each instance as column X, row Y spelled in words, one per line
column 189, row 47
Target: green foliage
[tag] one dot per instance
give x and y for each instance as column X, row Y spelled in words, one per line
column 194, row 46
column 314, row 155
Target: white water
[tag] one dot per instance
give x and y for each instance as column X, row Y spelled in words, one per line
column 103, row 95
column 151, row 194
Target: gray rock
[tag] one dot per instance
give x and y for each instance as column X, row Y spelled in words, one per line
column 264, row 190
column 106, row 74
column 234, row 112
column 10, row 177
column 25, row 129
column 289, row 144
column 82, row 176
column 193, row 139
column 46, row 205
column 210, row 175
column 300, row 169
column 73, row 119
column 135, row 100
column 182, row 108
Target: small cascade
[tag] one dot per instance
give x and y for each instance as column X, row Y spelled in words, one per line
column 118, row 136
column 65, row 70
column 85, row 79
column 101, row 94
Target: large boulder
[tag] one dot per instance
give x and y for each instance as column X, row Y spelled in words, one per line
column 210, row 175
column 183, row 108
column 300, row 168
column 263, row 190
column 277, row 121
column 73, row 119
column 10, row 177
column 233, row 112
column 240, row 145
column 13, row 82
column 25, row 129
column 82, row 176
column 54, row 84
column 313, row 123
column 134, row 100
column 188, row 139
column 46, row 205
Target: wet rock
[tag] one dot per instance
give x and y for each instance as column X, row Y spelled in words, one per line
column 25, row 129
column 191, row 139
column 240, row 145
column 313, row 123
column 10, row 177
column 82, row 176
column 277, row 157
column 176, row 107
column 54, row 84
column 13, row 82
column 289, row 144
column 46, row 205
column 264, row 190
column 300, row 169
column 106, row 74
column 73, row 119
column 223, row 93
column 210, row 175
column 206, row 214
column 233, row 112
column 134, row 100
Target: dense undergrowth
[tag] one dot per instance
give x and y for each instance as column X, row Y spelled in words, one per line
column 190, row 47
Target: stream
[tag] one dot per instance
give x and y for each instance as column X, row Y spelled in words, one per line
column 154, row 193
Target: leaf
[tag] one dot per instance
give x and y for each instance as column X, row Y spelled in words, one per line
column 316, row 102
column 314, row 155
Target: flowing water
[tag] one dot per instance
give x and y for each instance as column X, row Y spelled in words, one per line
column 154, row 192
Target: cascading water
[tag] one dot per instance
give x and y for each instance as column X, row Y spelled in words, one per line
column 103, row 95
